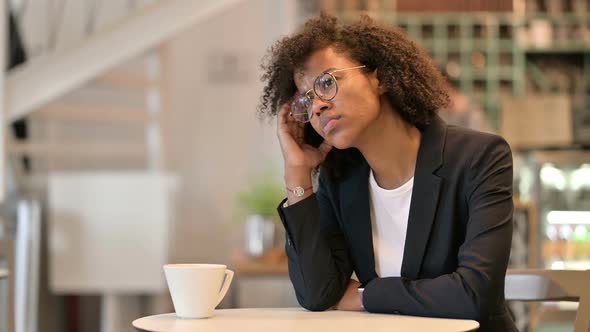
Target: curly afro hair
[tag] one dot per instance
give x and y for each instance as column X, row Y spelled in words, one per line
column 412, row 83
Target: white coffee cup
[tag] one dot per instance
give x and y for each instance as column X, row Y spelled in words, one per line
column 196, row 289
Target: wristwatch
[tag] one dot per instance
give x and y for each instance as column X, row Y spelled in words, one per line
column 298, row 191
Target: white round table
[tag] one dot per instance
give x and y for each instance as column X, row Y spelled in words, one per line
column 299, row 320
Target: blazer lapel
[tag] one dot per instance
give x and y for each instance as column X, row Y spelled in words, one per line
column 356, row 219
column 356, row 216
column 425, row 196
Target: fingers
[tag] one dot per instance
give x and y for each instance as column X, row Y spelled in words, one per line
column 284, row 117
column 283, row 114
column 325, row 148
column 287, row 125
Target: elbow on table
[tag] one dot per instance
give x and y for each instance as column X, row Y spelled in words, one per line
column 477, row 300
column 476, row 308
column 472, row 311
column 315, row 303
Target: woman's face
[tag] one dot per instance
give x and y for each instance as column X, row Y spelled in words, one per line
column 344, row 120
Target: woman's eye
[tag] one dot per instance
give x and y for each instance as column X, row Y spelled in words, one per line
column 327, row 82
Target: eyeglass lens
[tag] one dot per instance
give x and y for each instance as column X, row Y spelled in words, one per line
column 325, row 87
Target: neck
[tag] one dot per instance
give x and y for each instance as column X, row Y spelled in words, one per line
column 390, row 146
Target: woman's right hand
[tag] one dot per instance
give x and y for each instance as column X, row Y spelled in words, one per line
column 297, row 154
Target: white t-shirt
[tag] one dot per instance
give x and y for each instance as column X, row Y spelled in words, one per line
column 389, row 219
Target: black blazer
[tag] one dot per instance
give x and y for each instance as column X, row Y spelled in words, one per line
column 457, row 242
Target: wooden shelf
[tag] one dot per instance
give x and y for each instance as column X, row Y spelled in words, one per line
column 272, row 264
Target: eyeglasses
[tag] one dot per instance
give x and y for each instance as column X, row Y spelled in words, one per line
column 325, row 87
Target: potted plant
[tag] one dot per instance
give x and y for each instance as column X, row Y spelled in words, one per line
column 262, row 221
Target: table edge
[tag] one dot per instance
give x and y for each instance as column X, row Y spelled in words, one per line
column 478, row 325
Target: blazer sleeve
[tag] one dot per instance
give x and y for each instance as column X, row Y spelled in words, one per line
column 319, row 263
column 477, row 285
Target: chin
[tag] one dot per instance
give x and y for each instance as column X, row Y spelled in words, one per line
column 340, row 141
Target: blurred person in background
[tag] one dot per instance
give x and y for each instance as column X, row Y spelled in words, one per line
column 463, row 111
column 420, row 211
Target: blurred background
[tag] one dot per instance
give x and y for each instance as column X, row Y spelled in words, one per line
column 131, row 140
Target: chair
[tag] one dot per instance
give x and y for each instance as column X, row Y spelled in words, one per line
column 552, row 285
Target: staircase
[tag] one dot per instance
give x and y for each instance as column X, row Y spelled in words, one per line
column 82, row 45
column 112, row 122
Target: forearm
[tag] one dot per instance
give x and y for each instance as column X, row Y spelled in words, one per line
column 449, row 296
column 297, row 177
column 319, row 265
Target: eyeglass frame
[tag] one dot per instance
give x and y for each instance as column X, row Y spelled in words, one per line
column 306, row 94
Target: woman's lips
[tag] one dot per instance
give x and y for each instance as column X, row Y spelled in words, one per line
column 332, row 123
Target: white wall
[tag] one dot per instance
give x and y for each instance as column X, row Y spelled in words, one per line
column 213, row 138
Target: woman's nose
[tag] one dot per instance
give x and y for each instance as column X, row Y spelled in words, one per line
column 320, row 106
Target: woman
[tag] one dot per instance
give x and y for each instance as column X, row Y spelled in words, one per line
column 419, row 210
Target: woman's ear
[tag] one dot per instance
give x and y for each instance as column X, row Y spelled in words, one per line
column 375, row 82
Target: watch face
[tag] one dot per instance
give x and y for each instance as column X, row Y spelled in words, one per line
column 299, row 191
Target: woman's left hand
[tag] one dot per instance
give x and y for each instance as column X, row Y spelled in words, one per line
column 351, row 300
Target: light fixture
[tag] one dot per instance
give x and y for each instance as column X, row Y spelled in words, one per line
column 568, row 217
column 552, row 176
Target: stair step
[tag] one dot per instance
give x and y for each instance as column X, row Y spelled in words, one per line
column 93, row 113
column 77, row 150
column 126, row 80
